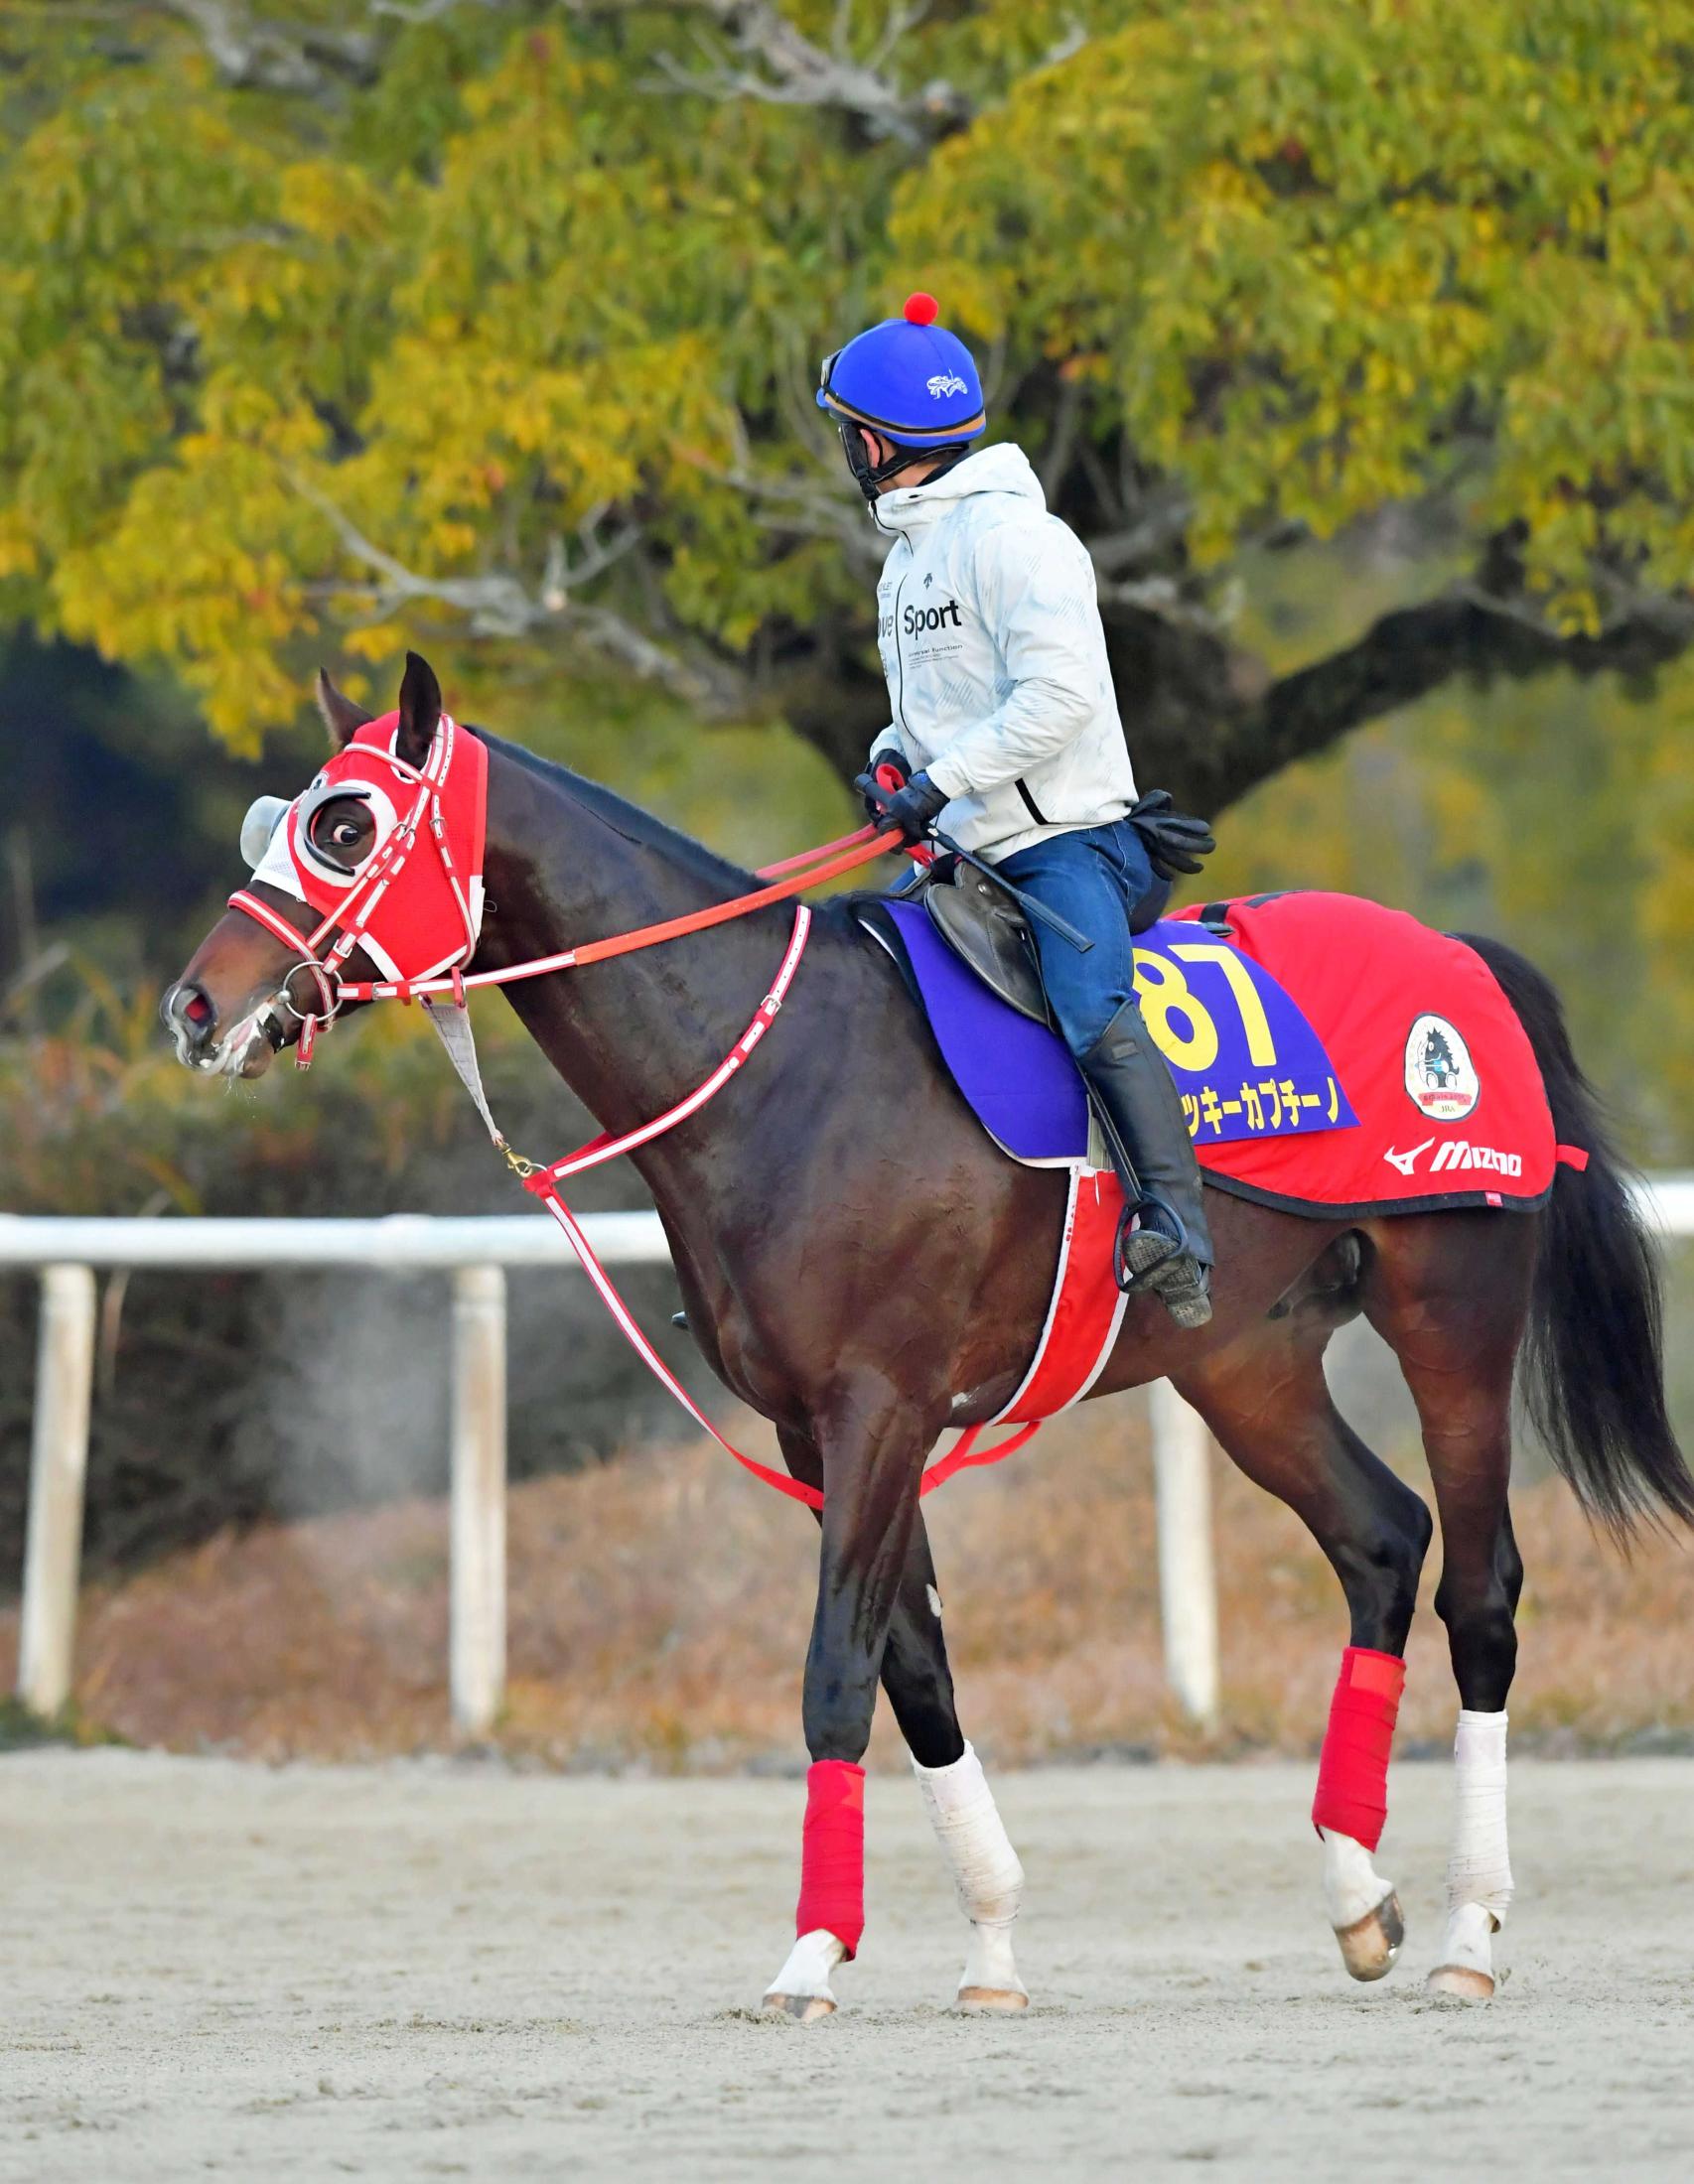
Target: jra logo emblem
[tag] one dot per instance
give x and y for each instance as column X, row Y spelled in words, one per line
column 1440, row 1079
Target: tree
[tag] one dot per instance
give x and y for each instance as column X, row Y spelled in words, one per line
column 496, row 322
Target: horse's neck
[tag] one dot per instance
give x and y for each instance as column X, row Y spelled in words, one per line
column 634, row 1035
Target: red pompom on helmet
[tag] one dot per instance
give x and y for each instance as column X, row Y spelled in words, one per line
column 909, row 379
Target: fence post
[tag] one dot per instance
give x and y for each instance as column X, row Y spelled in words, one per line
column 477, row 1675
column 59, row 1468
column 1188, row 1583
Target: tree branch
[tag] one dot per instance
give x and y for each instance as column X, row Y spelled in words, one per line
column 499, row 605
column 1402, row 657
column 798, row 506
column 784, row 68
column 271, row 57
column 1154, row 533
column 790, row 69
column 1166, row 598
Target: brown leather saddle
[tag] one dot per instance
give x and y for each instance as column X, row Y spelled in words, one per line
column 983, row 927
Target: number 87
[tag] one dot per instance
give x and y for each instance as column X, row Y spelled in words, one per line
column 1164, row 994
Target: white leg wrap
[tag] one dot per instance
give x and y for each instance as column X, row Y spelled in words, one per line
column 974, row 1839
column 985, row 1868
column 811, row 1962
column 1469, row 1945
column 1478, row 1868
column 1352, row 1887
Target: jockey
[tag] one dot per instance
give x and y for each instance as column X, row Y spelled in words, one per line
column 1006, row 727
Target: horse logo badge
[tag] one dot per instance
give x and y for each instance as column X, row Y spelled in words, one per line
column 945, row 383
column 1440, row 1081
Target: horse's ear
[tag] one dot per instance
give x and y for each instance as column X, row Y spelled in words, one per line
column 420, row 710
column 341, row 717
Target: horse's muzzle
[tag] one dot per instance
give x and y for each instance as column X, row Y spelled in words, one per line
column 189, row 1015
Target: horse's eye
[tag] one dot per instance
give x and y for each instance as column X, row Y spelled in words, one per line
column 341, row 836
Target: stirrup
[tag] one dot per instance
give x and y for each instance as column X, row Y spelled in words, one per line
column 1164, row 1265
column 1139, row 1253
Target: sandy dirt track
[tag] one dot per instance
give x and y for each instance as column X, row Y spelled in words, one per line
column 426, row 1970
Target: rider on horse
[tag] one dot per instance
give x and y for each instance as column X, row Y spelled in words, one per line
column 1005, row 722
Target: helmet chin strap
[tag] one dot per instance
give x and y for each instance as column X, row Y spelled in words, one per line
column 872, row 476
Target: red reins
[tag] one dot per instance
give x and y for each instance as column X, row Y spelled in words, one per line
column 821, row 863
column 791, row 875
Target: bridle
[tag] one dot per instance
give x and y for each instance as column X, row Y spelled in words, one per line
column 324, row 951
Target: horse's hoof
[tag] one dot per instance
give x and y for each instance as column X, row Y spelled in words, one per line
column 804, row 2009
column 1463, row 1982
column 1370, row 1945
column 986, row 2001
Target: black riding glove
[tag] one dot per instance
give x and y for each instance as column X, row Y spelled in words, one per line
column 889, row 765
column 1173, row 842
column 914, row 809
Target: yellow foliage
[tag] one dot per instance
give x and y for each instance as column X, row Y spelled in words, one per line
column 1302, row 259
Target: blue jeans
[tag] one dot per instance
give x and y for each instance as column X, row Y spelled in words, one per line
column 1094, row 876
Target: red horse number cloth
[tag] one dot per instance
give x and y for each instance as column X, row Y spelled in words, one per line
column 1442, row 1102
column 1437, row 1069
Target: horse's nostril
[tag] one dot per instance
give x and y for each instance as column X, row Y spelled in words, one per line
column 190, row 1012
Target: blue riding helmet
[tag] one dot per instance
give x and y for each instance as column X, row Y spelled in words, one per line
column 907, row 379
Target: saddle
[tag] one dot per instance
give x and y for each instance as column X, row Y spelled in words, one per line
column 983, row 927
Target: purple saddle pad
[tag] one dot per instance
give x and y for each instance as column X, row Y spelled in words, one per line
column 1224, row 1018
column 1018, row 1076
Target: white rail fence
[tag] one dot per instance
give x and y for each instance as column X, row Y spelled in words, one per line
column 476, row 1253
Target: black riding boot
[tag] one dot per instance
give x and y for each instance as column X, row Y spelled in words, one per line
column 1171, row 1251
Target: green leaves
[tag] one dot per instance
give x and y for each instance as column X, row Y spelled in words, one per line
column 1334, row 257
column 521, row 298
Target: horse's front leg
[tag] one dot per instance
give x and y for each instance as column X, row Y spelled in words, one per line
column 872, row 1446
column 984, row 1867
column 978, row 1854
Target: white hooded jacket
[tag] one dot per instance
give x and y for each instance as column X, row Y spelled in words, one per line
column 996, row 662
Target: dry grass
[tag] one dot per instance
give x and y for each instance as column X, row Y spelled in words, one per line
column 659, row 1610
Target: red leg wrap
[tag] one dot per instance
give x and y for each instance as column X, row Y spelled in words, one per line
column 832, row 1855
column 1353, row 1773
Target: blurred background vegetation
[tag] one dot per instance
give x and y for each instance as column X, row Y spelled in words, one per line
column 1353, row 340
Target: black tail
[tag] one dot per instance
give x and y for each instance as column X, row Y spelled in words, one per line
column 1592, row 1363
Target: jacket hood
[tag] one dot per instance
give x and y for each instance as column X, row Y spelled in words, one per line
column 1004, row 469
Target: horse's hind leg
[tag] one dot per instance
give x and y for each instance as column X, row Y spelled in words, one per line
column 979, row 1857
column 1450, row 1295
column 1268, row 1403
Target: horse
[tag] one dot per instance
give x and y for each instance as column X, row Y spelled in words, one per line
column 862, row 1266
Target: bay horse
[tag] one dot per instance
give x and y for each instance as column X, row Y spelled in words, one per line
column 862, row 1266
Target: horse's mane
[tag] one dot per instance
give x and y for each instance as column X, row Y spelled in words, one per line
column 628, row 820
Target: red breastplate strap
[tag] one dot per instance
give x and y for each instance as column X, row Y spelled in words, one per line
column 544, row 1183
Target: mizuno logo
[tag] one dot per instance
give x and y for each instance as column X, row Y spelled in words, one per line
column 1458, row 1153
column 945, row 383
